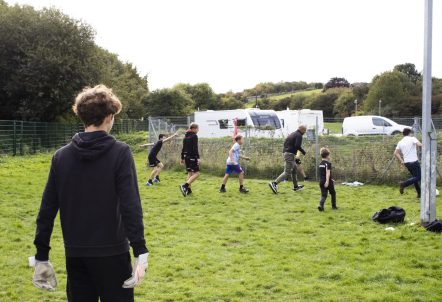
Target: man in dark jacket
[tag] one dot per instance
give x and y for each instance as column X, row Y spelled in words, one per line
column 93, row 183
column 191, row 158
column 292, row 144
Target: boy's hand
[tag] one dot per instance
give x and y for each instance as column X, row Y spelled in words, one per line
column 182, row 162
column 198, row 161
column 326, row 184
column 246, row 158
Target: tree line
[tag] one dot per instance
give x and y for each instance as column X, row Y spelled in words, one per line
column 47, row 57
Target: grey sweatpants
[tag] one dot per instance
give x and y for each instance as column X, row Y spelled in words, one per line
column 290, row 168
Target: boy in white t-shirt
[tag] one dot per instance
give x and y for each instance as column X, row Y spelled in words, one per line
column 232, row 165
column 406, row 153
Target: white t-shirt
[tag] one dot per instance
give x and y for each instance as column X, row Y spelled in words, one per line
column 407, row 146
column 235, row 156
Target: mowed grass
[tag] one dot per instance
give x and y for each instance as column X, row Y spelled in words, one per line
column 232, row 247
column 333, row 127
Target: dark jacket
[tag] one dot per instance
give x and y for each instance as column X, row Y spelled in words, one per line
column 190, row 146
column 293, row 143
column 93, row 182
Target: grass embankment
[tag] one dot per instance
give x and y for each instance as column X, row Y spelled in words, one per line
column 333, row 127
column 277, row 97
column 232, row 247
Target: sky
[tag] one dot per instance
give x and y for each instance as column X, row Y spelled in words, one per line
column 235, row 44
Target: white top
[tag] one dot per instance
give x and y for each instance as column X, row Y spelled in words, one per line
column 408, row 148
column 235, row 155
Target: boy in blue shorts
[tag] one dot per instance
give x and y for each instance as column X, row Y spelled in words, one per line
column 233, row 165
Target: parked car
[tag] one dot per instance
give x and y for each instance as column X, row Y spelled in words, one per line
column 370, row 125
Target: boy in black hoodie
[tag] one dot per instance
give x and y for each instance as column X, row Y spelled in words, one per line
column 191, row 158
column 93, row 183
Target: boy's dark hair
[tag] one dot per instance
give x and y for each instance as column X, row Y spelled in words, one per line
column 406, row 131
column 93, row 105
column 161, row 136
column 193, row 126
column 324, row 152
column 238, row 137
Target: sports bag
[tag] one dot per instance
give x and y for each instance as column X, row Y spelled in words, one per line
column 435, row 226
column 391, row 215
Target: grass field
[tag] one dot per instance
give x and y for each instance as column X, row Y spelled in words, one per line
column 232, row 247
column 334, row 128
column 276, row 97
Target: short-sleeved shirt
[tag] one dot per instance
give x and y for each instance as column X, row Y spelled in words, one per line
column 324, row 165
column 236, row 149
column 155, row 149
column 408, row 148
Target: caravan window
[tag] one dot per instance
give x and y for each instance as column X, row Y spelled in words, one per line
column 261, row 119
column 223, row 124
column 241, row 122
column 212, row 122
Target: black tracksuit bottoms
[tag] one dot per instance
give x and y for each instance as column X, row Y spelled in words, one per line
column 93, row 278
column 324, row 192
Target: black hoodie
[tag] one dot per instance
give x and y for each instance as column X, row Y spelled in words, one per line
column 190, row 145
column 93, row 182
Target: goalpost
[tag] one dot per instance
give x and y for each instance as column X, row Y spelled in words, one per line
column 429, row 135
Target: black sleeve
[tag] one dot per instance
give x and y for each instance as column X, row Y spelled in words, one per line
column 46, row 215
column 195, row 147
column 298, row 144
column 130, row 203
column 182, row 150
column 329, row 166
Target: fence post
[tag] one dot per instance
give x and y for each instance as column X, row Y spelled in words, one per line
column 188, row 120
column 317, row 148
column 21, row 137
column 14, row 140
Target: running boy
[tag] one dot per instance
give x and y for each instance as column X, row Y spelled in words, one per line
column 191, row 158
column 233, row 165
column 326, row 182
column 154, row 162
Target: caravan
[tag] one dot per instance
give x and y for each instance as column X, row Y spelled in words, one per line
column 291, row 119
column 261, row 123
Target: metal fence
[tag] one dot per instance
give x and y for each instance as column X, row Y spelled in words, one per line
column 367, row 159
column 22, row 137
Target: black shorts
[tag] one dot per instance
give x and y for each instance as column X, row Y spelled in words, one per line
column 192, row 164
column 153, row 161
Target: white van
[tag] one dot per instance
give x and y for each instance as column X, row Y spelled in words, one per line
column 220, row 123
column 370, row 125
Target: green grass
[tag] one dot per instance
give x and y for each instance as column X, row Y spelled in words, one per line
column 232, row 247
column 333, row 127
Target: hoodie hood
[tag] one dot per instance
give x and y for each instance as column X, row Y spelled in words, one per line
column 189, row 133
column 91, row 145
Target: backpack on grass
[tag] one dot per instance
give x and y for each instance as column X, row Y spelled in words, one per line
column 435, row 226
column 391, row 215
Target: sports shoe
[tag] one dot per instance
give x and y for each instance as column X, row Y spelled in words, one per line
column 320, row 208
column 189, row 191
column 222, row 190
column 156, row 180
column 298, row 188
column 183, row 190
column 401, row 188
column 334, row 208
column 148, row 184
column 243, row 190
column 274, row 187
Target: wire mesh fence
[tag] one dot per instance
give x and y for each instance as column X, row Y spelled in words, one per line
column 367, row 159
column 23, row 137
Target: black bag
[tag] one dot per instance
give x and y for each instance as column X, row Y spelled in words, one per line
column 435, row 226
column 390, row 215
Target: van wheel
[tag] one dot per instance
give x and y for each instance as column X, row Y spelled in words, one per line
column 396, row 133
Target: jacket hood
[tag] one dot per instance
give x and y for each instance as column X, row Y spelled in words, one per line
column 189, row 133
column 92, row 145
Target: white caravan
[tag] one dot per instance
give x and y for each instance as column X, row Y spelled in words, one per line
column 220, row 123
column 370, row 125
column 291, row 119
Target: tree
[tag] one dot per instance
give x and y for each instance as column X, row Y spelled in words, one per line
column 169, row 102
column 409, row 70
column 336, row 83
column 344, row 105
column 324, row 101
column 398, row 93
column 202, row 95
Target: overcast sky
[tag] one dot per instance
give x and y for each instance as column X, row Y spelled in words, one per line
column 235, row 44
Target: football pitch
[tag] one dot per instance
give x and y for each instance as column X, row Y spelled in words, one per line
column 236, row 247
